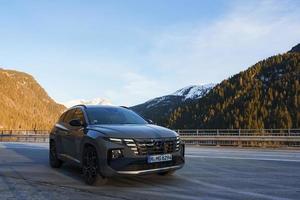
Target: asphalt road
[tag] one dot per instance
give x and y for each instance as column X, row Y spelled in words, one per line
column 209, row 173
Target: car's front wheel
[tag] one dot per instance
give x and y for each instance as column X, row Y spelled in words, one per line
column 90, row 167
column 53, row 159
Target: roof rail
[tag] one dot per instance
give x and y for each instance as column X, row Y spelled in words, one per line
column 125, row 107
column 80, row 105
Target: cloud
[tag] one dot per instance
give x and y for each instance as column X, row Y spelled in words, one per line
column 136, row 88
column 137, row 84
column 196, row 53
column 247, row 33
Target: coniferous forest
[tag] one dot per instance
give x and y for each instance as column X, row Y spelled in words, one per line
column 24, row 104
column 266, row 95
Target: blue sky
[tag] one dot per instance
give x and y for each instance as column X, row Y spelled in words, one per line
column 130, row 51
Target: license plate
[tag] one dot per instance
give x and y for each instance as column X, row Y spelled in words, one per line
column 159, row 158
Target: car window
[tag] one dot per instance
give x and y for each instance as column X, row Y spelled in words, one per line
column 69, row 116
column 79, row 115
column 113, row 115
column 61, row 119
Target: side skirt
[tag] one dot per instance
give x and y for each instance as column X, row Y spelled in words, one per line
column 70, row 158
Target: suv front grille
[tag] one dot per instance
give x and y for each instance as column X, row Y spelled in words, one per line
column 157, row 146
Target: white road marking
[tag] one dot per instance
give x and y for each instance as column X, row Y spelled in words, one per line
column 241, row 158
column 15, row 145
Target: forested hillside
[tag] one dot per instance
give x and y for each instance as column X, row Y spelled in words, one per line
column 24, row 104
column 267, row 95
column 160, row 108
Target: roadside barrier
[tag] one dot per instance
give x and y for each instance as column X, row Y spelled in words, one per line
column 204, row 137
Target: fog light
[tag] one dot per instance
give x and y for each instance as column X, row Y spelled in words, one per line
column 116, row 153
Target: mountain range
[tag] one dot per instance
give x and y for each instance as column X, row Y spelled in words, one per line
column 160, row 108
column 266, row 95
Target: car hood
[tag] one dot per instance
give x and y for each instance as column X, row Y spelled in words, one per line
column 134, row 131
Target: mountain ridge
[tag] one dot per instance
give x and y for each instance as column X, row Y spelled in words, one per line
column 295, row 49
column 266, row 95
column 24, row 103
column 159, row 108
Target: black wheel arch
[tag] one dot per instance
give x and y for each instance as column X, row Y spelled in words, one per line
column 89, row 142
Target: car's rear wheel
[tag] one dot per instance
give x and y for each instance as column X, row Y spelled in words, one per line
column 167, row 173
column 90, row 167
column 53, row 159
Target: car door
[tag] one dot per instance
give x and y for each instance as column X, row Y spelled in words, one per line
column 60, row 131
column 78, row 133
column 66, row 134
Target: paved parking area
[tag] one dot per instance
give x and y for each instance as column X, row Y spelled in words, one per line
column 209, row 173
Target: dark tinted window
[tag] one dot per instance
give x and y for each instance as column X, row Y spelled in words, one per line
column 69, row 116
column 113, row 115
column 79, row 115
column 61, row 119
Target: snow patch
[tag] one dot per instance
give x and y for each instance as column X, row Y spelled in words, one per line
column 189, row 92
column 96, row 101
column 194, row 91
column 155, row 101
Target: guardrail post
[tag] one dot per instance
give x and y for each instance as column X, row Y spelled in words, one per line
column 217, row 141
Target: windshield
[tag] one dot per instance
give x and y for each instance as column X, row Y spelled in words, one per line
column 113, row 115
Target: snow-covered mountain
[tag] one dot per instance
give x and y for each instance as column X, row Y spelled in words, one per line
column 158, row 108
column 187, row 93
column 194, row 91
column 96, row 101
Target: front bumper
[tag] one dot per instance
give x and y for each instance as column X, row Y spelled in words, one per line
column 150, row 171
column 131, row 164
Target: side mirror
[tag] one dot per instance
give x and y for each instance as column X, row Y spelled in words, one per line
column 75, row 122
column 150, row 121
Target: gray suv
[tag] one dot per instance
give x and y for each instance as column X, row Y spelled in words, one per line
column 107, row 140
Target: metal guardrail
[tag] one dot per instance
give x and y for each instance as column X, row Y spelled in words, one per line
column 204, row 137
column 24, row 136
column 239, row 132
column 242, row 137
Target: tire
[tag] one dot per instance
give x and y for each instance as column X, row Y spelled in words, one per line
column 167, row 173
column 53, row 159
column 90, row 168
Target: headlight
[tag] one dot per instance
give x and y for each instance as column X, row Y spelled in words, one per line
column 116, row 140
column 128, row 142
column 177, row 143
